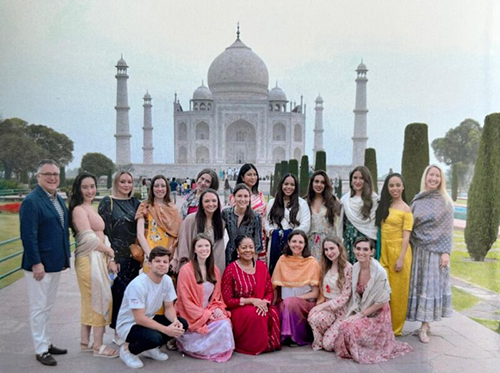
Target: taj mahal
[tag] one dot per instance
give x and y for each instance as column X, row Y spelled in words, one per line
column 236, row 119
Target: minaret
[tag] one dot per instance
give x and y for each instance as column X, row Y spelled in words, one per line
column 318, row 127
column 147, row 149
column 360, row 137
column 122, row 124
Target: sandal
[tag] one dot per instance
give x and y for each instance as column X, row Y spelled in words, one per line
column 106, row 352
column 86, row 347
column 118, row 341
column 172, row 345
column 422, row 335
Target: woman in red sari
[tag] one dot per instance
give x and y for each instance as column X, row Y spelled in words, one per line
column 248, row 294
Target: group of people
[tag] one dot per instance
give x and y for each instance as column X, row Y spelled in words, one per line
column 339, row 274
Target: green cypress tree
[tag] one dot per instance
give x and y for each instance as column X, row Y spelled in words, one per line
column 293, row 167
column 277, row 177
column 415, row 157
column 371, row 164
column 284, row 168
column 454, row 181
column 62, row 176
column 109, row 181
column 338, row 189
column 304, row 175
column 483, row 204
column 320, row 161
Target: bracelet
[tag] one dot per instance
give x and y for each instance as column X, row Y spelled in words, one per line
column 112, row 259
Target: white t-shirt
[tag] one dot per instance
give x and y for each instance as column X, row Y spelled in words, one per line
column 142, row 293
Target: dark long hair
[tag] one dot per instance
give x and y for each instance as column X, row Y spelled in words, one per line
column 366, row 194
column 331, row 202
column 385, row 199
column 215, row 179
column 210, row 262
column 201, row 217
column 326, row 263
column 249, row 214
column 243, row 170
column 288, row 252
column 151, row 195
column 277, row 212
column 76, row 198
column 237, row 242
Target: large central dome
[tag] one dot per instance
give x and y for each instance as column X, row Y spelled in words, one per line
column 238, row 74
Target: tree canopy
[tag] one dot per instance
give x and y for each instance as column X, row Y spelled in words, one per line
column 97, row 164
column 22, row 146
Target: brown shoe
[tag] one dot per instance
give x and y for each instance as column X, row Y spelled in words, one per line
column 46, row 359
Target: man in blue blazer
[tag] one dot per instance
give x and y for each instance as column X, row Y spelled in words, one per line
column 45, row 237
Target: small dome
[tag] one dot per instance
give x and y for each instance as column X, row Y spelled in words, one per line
column 361, row 67
column 319, row 98
column 277, row 94
column 238, row 73
column 202, row 93
column 121, row 63
column 147, row 96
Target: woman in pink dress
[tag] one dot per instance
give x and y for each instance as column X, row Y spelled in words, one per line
column 248, row 293
column 336, row 278
column 366, row 335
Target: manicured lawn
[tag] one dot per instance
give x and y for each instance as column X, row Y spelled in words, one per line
column 490, row 324
column 485, row 274
column 9, row 228
column 462, row 300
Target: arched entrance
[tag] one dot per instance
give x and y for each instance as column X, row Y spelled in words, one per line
column 241, row 144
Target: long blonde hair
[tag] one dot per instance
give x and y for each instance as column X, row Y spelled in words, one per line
column 326, row 263
column 116, row 181
column 442, row 185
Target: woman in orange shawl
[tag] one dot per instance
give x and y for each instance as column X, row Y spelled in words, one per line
column 158, row 219
column 210, row 335
column 296, row 277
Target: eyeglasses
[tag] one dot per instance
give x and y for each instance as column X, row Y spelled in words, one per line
column 49, row 174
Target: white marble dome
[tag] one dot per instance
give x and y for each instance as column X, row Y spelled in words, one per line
column 277, row 94
column 238, row 74
column 121, row 62
column 202, row 93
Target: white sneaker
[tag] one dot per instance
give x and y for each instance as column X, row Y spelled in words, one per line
column 155, row 354
column 130, row 360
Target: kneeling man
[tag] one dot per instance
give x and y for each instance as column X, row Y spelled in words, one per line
column 137, row 324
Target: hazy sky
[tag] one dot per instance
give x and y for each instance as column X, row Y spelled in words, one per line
column 435, row 62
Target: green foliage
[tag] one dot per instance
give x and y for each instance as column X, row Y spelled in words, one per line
column 371, row 164
column 293, row 167
column 109, row 181
column 415, row 157
column 284, row 168
column 338, row 189
column 483, row 205
column 9, row 184
column 62, row 175
column 22, row 146
column 97, row 164
column 277, row 177
column 304, row 175
column 320, row 161
column 454, row 182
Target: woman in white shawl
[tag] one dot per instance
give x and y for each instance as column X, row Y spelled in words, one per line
column 360, row 205
column 92, row 259
column 366, row 334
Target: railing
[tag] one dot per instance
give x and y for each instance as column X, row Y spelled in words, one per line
column 13, row 192
column 14, row 255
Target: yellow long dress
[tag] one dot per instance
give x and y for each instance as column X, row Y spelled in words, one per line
column 391, row 246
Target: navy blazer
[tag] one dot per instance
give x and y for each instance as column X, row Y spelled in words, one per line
column 44, row 238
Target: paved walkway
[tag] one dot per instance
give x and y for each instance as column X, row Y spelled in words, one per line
column 458, row 344
column 489, row 305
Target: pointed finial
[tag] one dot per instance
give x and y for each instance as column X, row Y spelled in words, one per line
column 276, row 84
column 202, row 83
column 238, row 31
column 122, row 55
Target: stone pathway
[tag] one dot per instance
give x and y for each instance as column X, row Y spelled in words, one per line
column 489, row 305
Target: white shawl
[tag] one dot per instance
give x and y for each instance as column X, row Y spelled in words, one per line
column 352, row 209
column 377, row 290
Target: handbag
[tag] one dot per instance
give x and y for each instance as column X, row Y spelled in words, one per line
column 136, row 251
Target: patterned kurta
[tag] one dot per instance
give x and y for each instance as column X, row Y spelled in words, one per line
column 320, row 229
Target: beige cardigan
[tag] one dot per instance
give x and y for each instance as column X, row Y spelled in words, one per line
column 187, row 232
column 377, row 290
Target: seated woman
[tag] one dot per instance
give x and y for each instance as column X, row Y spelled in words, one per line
column 296, row 277
column 248, row 293
column 366, row 334
column 199, row 301
column 336, row 278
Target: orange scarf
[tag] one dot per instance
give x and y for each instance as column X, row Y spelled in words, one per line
column 167, row 217
column 294, row 272
column 189, row 303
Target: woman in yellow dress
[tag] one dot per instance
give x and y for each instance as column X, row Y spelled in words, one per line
column 158, row 219
column 395, row 220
